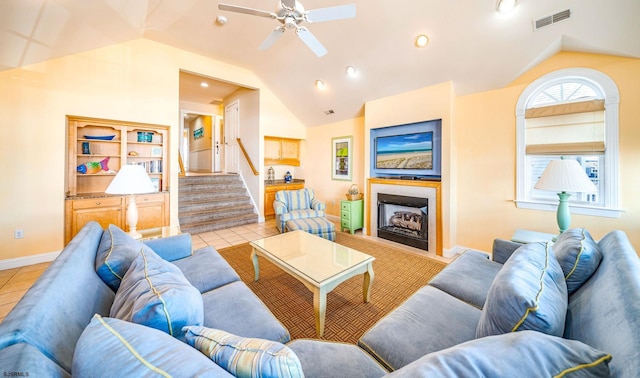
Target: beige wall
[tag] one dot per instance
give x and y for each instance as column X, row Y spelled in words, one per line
column 138, row 81
column 134, row 81
column 485, row 129
column 434, row 102
column 479, row 166
column 317, row 161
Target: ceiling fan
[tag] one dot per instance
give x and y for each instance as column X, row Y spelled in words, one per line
column 291, row 14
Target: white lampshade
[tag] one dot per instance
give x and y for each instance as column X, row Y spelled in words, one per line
column 565, row 175
column 131, row 179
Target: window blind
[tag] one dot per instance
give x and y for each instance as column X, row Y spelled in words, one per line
column 571, row 128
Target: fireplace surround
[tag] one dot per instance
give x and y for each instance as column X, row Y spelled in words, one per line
column 429, row 190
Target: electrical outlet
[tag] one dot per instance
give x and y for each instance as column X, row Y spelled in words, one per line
column 18, row 234
column 333, row 202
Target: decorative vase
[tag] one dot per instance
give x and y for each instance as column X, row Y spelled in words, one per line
column 287, row 177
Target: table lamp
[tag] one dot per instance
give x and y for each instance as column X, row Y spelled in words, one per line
column 131, row 180
column 563, row 176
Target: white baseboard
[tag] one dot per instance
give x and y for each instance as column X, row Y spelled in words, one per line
column 28, row 260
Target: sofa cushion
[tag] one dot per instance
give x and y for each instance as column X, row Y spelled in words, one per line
column 236, row 309
column 206, row 269
column 112, row 347
column 245, row 357
column 468, row 277
column 155, row 293
column 420, row 326
column 526, row 354
column 331, row 359
column 529, row 292
column 579, row 256
column 19, row 359
column 115, row 253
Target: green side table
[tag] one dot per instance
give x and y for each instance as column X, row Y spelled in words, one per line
column 351, row 215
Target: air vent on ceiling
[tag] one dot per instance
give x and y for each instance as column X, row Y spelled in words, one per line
column 329, row 112
column 552, row 19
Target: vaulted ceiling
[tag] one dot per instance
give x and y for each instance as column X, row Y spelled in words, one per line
column 470, row 44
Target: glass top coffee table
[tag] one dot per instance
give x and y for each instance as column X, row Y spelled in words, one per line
column 319, row 264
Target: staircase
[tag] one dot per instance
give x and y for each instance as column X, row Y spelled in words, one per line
column 213, row 202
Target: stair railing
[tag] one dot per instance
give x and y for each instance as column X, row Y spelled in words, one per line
column 246, row 156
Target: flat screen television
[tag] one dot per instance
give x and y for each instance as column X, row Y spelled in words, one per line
column 407, row 151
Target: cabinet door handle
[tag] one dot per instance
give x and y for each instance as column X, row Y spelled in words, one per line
column 98, row 203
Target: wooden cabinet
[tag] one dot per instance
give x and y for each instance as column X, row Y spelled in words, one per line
column 153, row 210
column 281, row 151
column 351, row 215
column 270, row 196
column 104, row 210
column 96, row 150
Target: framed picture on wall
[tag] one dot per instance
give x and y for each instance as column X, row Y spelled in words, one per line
column 341, row 156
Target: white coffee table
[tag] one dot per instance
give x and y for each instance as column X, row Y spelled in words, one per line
column 319, row 264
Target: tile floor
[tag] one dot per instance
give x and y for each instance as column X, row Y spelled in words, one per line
column 15, row 282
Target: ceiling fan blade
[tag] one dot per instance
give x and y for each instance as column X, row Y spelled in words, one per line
column 331, row 13
column 272, row 38
column 251, row 11
column 311, row 41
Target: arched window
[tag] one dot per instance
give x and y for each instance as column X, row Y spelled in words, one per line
column 571, row 114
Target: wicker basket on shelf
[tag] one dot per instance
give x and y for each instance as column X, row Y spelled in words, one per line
column 354, row 193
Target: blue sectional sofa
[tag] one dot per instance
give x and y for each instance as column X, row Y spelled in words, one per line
column 575, row 306
column 533, row 310
column 39, row 336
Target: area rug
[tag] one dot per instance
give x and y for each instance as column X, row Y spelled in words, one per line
column 398, row 274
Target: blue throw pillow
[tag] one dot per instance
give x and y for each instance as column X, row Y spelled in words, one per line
column 579, row 256
column 155, row 293
column 116, row 251
column 114, row 348
column 526, row 354
column 245, row 357
column 529, row 292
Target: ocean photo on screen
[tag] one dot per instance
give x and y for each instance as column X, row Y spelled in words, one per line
column 408, row 151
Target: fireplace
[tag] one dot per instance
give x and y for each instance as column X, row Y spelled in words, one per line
column 403, row 219
column 426, row 191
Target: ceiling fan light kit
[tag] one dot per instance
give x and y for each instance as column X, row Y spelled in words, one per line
column 291, row 13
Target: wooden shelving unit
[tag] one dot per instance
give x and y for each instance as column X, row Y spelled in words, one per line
column 91, row 140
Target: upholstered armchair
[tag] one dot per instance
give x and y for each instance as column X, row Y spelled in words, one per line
column 296, row 204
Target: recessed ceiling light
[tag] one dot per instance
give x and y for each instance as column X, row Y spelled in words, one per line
column 204, row 84
column 505, row 6
column 422, row 40
column 351, row 71
column 320, row 85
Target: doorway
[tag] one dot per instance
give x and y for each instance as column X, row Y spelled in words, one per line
column 201, row 143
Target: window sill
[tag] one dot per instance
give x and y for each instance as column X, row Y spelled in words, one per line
column 575, row 209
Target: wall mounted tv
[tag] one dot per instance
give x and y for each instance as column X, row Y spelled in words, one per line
column 409, row 151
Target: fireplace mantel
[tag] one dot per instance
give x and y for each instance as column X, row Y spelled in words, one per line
column 417, row 188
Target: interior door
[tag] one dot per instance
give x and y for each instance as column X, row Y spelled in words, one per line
column 231, row 131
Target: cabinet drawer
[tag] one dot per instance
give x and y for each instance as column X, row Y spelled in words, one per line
column 345, row 223
column 345, row 214
column 346, row 205
column 144, row 198
column 96, row 202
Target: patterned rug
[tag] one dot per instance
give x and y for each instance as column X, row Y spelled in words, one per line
column 398, row 274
